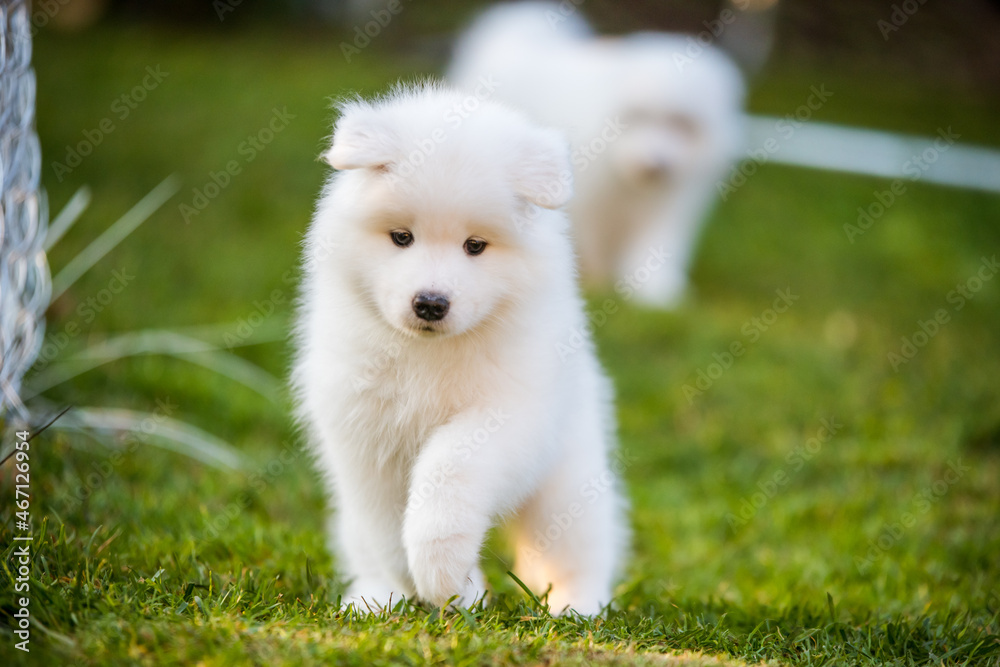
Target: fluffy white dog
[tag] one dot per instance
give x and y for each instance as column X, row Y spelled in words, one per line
column 439, row 283
column 655, row 122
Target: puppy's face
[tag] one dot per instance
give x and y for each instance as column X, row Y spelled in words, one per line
column 432, row 268
column 681, row 121
column 659, row 145
column 436, row 243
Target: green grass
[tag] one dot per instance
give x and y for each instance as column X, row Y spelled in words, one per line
column 167, row 562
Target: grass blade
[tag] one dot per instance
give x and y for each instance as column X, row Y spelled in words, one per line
column 534, row 598
column 114, row 235
column 168, row 343
column 171, row 434
column 70, row 213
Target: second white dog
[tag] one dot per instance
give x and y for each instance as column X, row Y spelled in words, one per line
column 439, row 286
column 655, row 120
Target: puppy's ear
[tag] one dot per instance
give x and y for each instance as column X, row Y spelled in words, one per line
column 361, row 139
column 543, row 174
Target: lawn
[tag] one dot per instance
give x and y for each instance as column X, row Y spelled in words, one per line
column 828, row 495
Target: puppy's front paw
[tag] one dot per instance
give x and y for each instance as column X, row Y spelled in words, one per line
column 446, row 566
column 475, row 589
column 370, row 596
column 561, row 602
column 364, row 604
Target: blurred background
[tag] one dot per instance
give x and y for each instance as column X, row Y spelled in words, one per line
column 234, row 99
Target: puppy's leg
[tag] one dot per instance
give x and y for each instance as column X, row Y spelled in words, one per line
column 658, row 256
column 366, row 532
column 572, row 533
column 458, row 486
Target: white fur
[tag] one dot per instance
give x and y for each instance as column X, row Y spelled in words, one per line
column 430, row 433
column 647, row 191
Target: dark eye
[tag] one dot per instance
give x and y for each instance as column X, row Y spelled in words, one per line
column 475, row 246
column 634, row 117
column 683, row 124
column 401, row 237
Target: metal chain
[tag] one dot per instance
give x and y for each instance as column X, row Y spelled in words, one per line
column 25, row 283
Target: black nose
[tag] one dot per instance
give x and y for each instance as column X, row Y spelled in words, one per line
column 430, row 306
column 658, row 169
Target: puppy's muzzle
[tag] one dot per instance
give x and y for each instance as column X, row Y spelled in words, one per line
column 430, row 306
column 657, row 169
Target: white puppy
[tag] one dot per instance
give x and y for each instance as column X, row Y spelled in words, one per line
column 655, row 122
column 439, row 282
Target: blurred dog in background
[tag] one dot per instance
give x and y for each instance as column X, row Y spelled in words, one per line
column 655, row 120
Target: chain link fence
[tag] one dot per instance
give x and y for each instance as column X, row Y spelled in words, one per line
column 25, row 284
